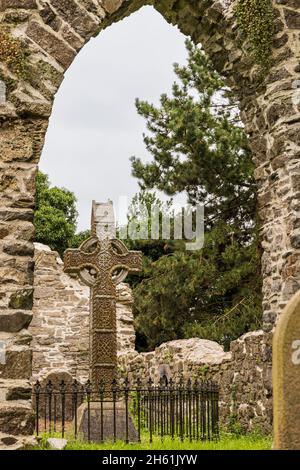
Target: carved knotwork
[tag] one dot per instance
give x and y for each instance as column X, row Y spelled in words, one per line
column 102, row 265
column 106, row 306
column 95, row 258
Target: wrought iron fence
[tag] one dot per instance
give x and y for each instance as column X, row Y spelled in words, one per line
column 181, row 410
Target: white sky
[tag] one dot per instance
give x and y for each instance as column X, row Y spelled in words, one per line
column 94, row 128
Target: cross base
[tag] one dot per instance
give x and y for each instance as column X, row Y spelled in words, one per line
column 105, row 432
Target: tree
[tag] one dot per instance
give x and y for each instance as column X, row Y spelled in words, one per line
column 214, row 294
column 199, row 146
column 55, row 215
column 79, row 238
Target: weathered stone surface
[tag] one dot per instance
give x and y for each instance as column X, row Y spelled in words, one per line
column 57, row 444
column 292, row 19
column 18, row 363
column 16, row 418
column 111, row 5
column 12, row 390
column 33, row 107
column 54, row 46
column 19, row 393
column 198, row 351
column 9, row 214
column 13, row 322
column 8, row 442
column 243, row 374
column 56, row 377
column 21, row 299
column 18, row 248
column 26, row 4
column 77, row 17
column 108, row 419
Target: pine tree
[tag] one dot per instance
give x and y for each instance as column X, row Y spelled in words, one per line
column 198, row 146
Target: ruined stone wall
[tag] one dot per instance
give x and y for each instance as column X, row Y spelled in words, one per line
column 60, row 347
column 60, row 324
column 245, row 387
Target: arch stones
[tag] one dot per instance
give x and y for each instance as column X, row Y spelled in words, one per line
column 51, row 33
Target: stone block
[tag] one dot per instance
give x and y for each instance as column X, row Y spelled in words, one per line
column 25, row 4
column 18, row 363
column 16, row 418
column 54, row 46
column 77, row 17
column 21, row 299
column 19, row 391
column 111, row 5
column 8, row 442
column 13, row 322
column 108, row 420
column 56, row 377
column 292, row 18
column 57, row 444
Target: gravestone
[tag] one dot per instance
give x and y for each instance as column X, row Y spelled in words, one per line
column 286, row 378
column 103, row 262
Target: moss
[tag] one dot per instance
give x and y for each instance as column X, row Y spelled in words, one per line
column 48, row 72
column 11, row 84
column 168, row 357
column 22, row 299
column 256, row 22
column 203, row 371
column 12, row 53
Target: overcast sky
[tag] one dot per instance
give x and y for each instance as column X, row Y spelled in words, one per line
column 94, row 128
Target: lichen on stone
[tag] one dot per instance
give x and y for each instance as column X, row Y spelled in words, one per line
column 255, row 19
column 12, row 53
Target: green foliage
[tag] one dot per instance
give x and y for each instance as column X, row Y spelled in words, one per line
column 252, row 441
column 55, row 215
column 234, row 426
column 215, row 294
column 199, row 146
column 79, row 238
column 12, row 53
column 256, row 21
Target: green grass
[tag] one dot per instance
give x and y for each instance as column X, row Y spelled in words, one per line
column 227, row 442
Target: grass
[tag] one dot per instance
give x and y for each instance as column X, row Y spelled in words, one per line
column 227, row 442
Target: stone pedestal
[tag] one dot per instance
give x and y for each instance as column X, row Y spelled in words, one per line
column 108, row 422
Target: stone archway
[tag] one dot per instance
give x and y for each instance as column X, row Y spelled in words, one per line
column 42, row 37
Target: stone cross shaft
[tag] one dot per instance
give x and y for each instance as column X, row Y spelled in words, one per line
column 102, row 264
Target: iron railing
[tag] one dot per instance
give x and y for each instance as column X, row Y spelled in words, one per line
column 181, row 410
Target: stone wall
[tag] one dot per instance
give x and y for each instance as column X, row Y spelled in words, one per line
column 60, row 324
column 245, row 387
column 60, row 347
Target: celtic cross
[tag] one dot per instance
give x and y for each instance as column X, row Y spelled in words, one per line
column 102, row 263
